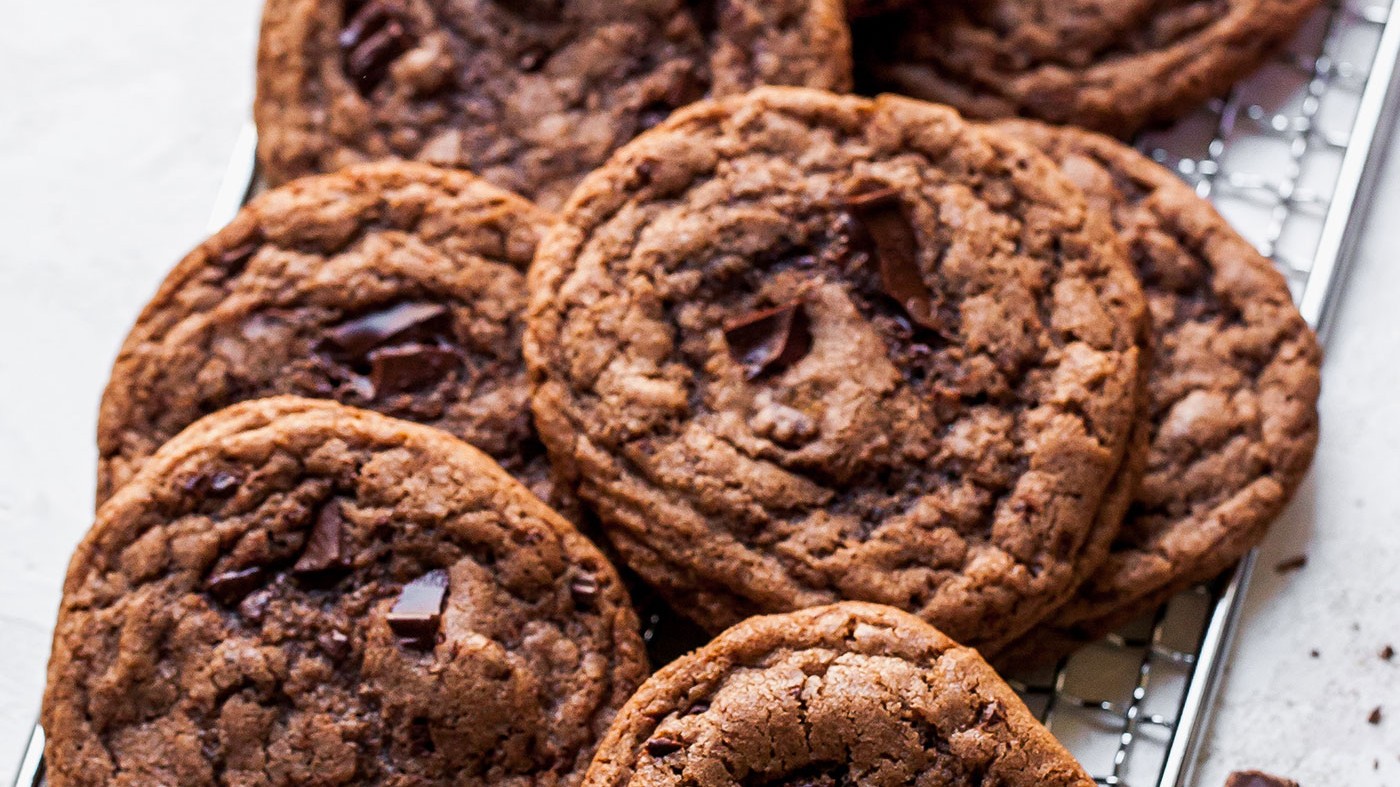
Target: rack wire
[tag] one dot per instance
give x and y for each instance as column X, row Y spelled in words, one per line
column 1289, row 157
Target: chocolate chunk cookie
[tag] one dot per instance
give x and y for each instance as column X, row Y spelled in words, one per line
column 297, row 592
column 530, row 94
column 846, row 694
column 1232, row 392
column 1110, row 65
column 396, row 287
column 799, row 348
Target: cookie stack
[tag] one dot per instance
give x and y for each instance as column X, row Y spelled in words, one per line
column 839, row 379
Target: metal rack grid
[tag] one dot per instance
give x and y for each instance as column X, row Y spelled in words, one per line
column 1289, row 157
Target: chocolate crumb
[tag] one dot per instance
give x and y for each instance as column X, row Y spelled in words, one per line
column 1387, row 653
column 1375, row 717
column 660, row 747
column 1291, row 564
column 1314, row 653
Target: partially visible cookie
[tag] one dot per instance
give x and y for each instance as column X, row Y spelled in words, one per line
column 1110, row 65
column 296, row 592
column 798, row 348
column 846, row 694
column 530, row 94
column 1232, row 392
column 395, row 287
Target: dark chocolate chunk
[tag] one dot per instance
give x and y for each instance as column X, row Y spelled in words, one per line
column 229, row 587
column 358, row 336
column 698, row 708
column 769, row 340
column 1257, row 779
column 662, row 746
column 584, row 587
column 409, row 367
column 325, row 547
column 374, row 38
column 1291, row 564
column 416, row 615
column 335, row 644
column 881, row 215
column 223, row 482
column 234, row 260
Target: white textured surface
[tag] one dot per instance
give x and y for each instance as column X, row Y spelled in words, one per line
column 115, row 123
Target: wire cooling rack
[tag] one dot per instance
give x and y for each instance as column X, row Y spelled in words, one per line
column 1289, row 158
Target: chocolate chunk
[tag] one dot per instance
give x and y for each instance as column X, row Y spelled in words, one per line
column 224, row 482
column 584, row 588
column 698, row 708
column 1375, row 717
column 395, row 370
column 359, row 336
column 335, row 644
column 1257, row 779
column 769, row 340
column 234, row 260
column 325, row 547
column 532, row 59
column 418, row 612
column 881, row 215
column 662, row 746
column 372, row 40
column 1291, row 564
column 229, row 587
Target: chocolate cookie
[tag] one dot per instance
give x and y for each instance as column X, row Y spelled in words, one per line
column 530, row 94
column 846, row 694
column 297, row 592
column 1110, row 65
column 1232, row 391
column 798, row 348
column 395, row 287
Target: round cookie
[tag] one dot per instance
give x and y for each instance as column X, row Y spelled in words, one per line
column 846, row 694
column 530, row 94
column 797, row 348
column 297, row 592
column 396, row 287
column 1110, row 65
column 1232, row 391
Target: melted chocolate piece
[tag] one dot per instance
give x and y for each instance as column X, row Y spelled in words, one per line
column 662, row 746
column 325, row 547
column 403, row 321
column 373, row 39
column 770, row 340
column 881, row 215
column 229, row 587
column 395, row 370
column 416, row 615
column 584, row 588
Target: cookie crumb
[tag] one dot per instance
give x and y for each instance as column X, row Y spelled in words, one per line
column 1375, row 717
column 1291, row 564
column 1257, row 779
column 1387, row 653
column 1314, row 653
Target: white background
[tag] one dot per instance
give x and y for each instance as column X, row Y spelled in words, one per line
column 116, row 120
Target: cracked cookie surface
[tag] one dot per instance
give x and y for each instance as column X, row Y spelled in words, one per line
column 531, row 95
column 394, row 287
column 798, row 348
column 840, row 695
column 296, row 592
column 1232, row 390
column 1110, row 65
